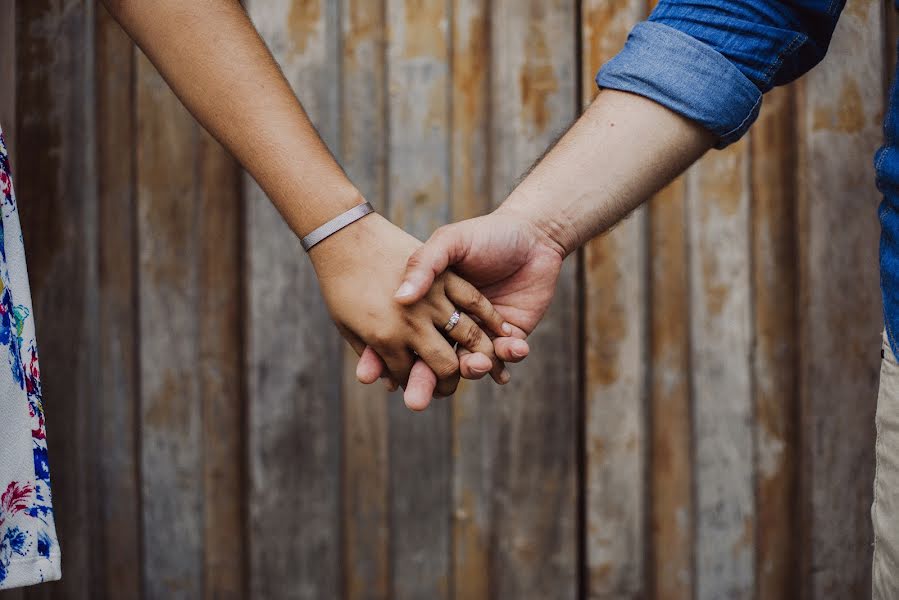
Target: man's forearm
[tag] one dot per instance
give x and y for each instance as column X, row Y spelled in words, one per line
column 623, row 149
column 212, row 57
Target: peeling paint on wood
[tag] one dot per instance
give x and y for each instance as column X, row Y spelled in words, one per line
column 840, row 312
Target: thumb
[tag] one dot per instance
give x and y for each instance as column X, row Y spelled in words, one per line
column 442, row 249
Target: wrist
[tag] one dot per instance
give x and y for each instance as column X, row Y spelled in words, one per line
column 555, row 232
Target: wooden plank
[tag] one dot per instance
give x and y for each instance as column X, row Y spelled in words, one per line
column 474, row 407
column 841, row 110
column 418, row 183
column 718, row 209
column 293, row 350
column 119, row 565
column 219, row 308
column 57, row 202
column 672, row 449
column 775, row 352
column 171, row 425
column 533, row 98
column 616, row 344
column 8, row 75
column 363, row 120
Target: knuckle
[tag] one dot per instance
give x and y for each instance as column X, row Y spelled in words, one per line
column 475, row 299
column 380, row 338
column 447, row 369
column 471, row 337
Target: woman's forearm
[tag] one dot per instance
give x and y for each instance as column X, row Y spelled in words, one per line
column 212, row 57
column 621, row 151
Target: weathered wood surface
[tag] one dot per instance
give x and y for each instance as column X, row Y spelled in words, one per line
column 535, row 520
column 198, row 398
column 718, row 230
column 119, row 479
column 171, row 427
column 773, row 257
column 292, row 351
column 57, row 203
column 8, row 73
column 839, row 121
column 672, row 510
column 363, row 123
column 418, row 182
column 615, row 334
column 474, row 408
column 219, row 307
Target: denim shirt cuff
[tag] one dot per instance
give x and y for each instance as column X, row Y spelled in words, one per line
column 686, row 76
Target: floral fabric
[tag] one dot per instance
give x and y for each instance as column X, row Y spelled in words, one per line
column 29, row 551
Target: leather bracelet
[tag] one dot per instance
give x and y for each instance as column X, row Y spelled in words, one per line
column 336, row 224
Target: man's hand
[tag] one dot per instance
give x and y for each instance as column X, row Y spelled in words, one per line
column 509, row 259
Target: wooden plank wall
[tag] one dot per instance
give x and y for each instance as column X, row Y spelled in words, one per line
column 695, row 421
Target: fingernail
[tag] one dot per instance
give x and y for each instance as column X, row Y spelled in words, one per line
column 479, row 370
column 519, row 349
column 505, row 376
column 404, row 290
column 507, row 329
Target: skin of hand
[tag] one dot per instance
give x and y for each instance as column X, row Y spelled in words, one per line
column 514, row 265
column 621, row 151
column 216, row 63
column 360, row 267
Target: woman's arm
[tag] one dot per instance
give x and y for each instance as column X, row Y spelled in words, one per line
column 214, row 60
column 216, row 63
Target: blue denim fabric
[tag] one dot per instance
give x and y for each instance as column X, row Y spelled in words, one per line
column 886, row 167
column 711, row 60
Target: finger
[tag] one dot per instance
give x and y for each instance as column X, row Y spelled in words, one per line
column 370, row 366
column 471, row 337
column 472, row 365
column 399, row 363
column 442, row 249
column 441, row 358
column 467, row 297
column 511, row 349
column 420, row 389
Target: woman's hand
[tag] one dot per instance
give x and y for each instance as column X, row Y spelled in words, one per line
column 359, row 269
column 511, row 261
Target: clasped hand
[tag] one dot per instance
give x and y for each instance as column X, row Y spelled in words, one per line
column 391, row 297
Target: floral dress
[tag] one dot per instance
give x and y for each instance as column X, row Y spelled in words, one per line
column 29, row 551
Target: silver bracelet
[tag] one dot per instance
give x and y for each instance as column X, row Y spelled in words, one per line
column 336, row 224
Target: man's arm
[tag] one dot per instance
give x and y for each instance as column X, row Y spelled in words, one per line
column 689, row 78
column 622, row 150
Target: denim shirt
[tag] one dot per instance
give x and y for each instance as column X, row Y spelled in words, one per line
column 712, row 60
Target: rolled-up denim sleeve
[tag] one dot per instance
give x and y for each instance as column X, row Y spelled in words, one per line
column 712, row 60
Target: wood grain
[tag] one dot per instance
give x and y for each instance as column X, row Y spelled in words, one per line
column 418, row 183
column 57, row 203
column 293, row 353
column 119, row 564
column 841, row 110
column 366, row 527
column 672, row 496
column 774, row 276
column 616, row 342
column 8, row 75
column 219, row 307
column 474, row 407
column 721, row 324
column 533, row 98
column 168, row 295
